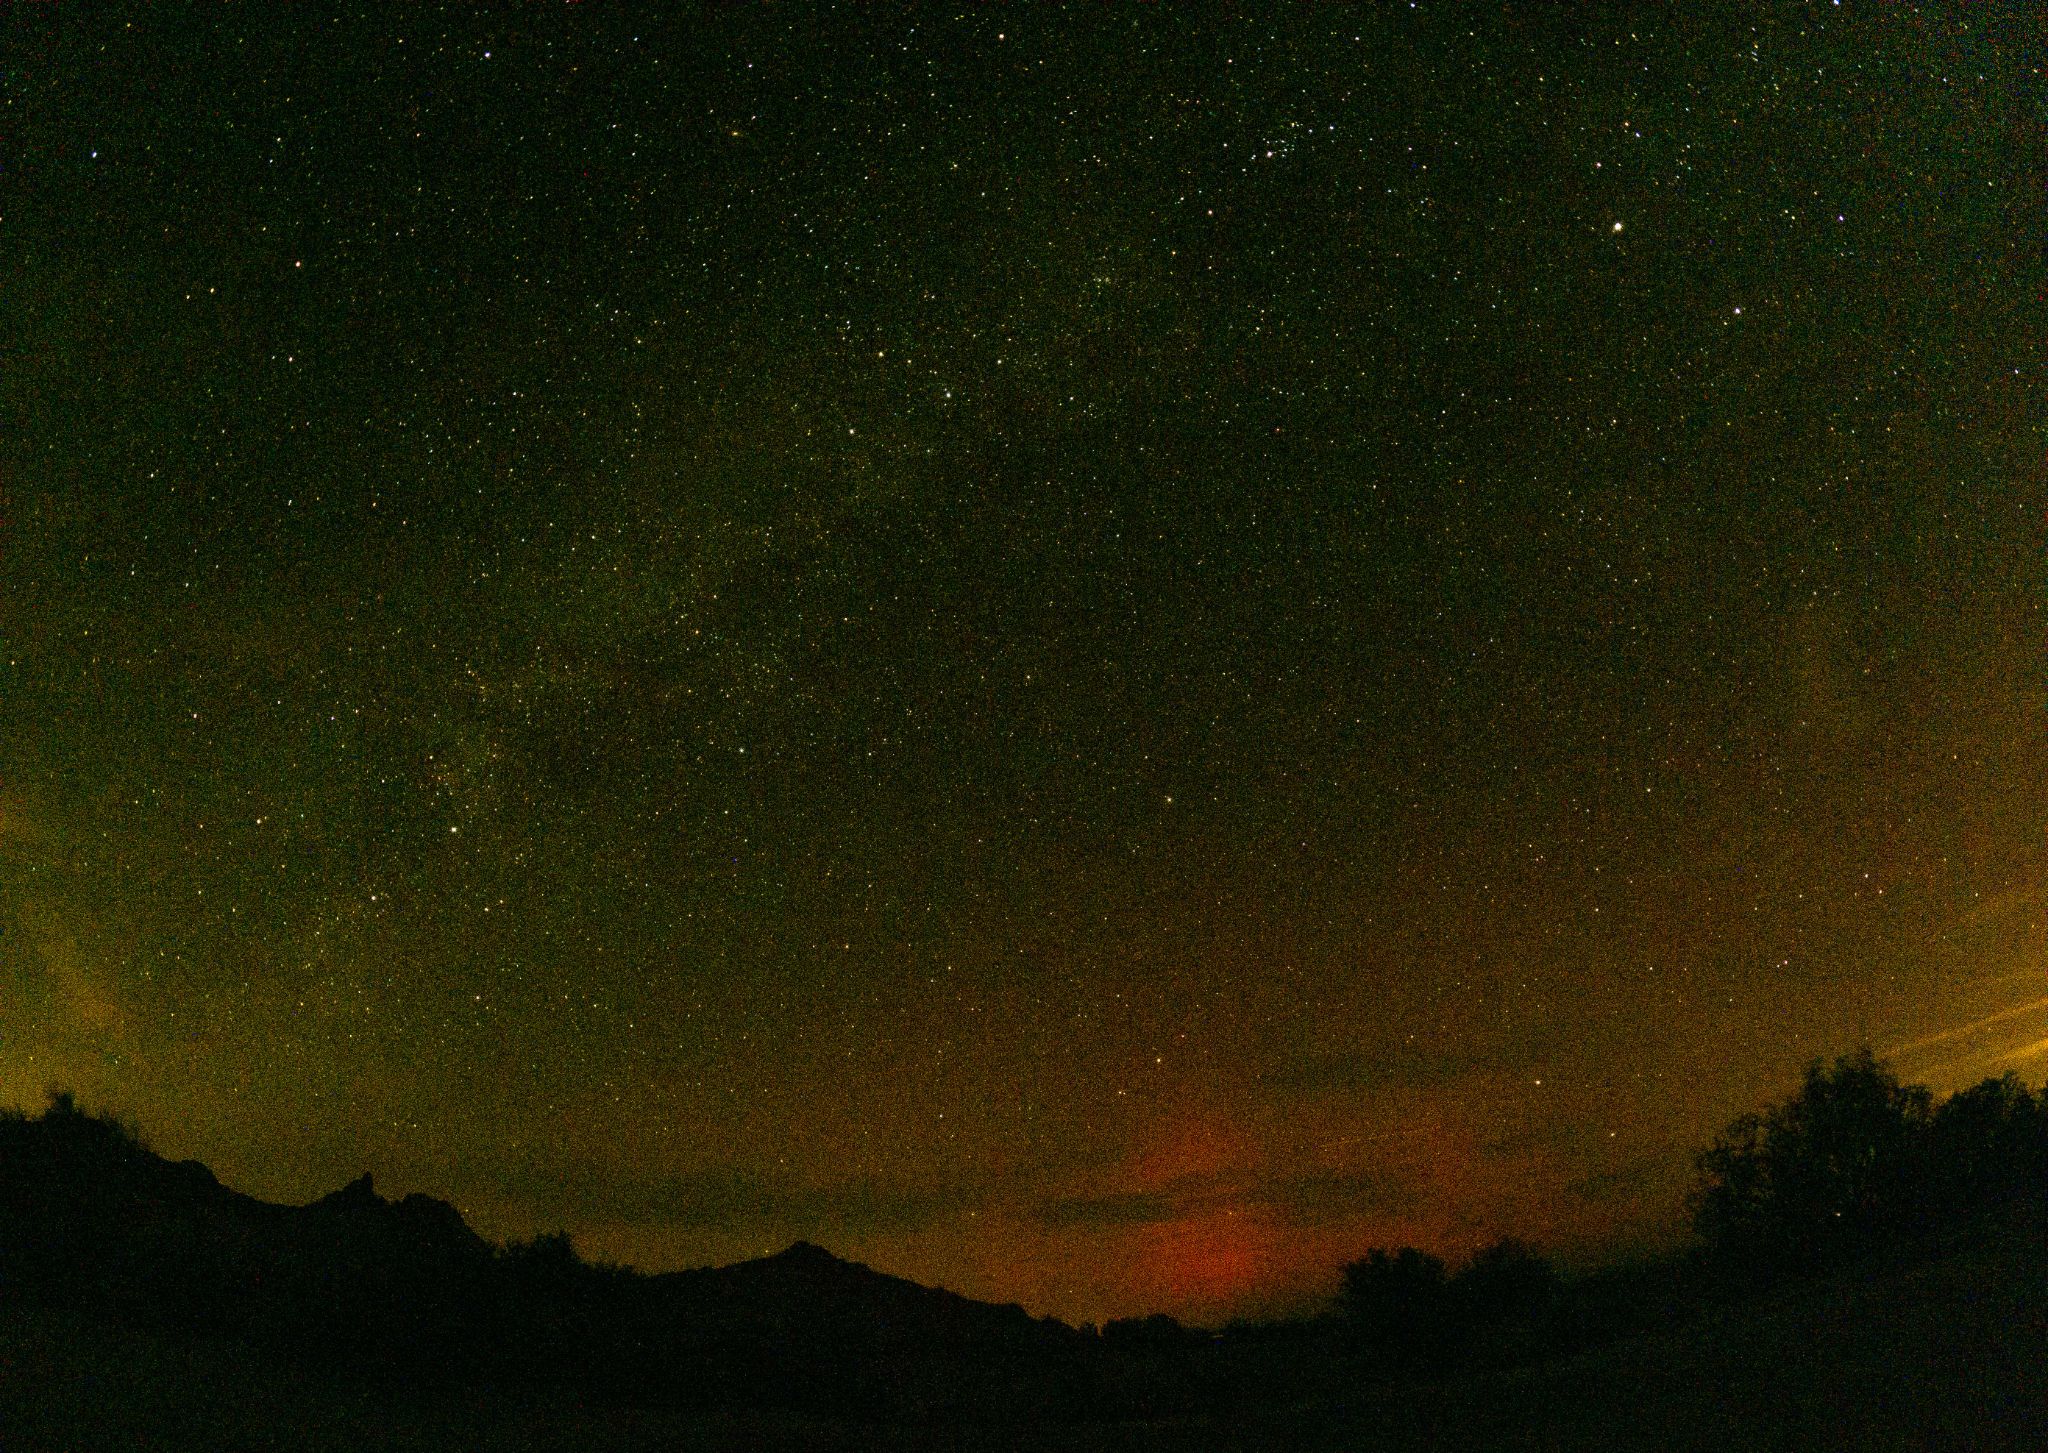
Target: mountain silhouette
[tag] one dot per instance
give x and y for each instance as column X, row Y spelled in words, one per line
column 1929, row 1216
column 405, row 1291
column 806, row 1289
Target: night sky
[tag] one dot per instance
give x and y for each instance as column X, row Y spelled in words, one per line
column 1101, row 657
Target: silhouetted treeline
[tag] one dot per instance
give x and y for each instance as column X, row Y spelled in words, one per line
column 405, row 1294
column 1407, row 1306
column 1856, row 1162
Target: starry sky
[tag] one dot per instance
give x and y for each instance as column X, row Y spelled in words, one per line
column 1098, row 656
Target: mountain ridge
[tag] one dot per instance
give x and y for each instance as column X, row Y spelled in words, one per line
column 405, row 1289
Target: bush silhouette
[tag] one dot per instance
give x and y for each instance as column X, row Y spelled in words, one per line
column 1157, row 1330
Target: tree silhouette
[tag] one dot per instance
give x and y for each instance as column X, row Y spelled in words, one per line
column 1396, row 1301
column 1987, row 1153
column 1839, row 1163
column 1506, row 1280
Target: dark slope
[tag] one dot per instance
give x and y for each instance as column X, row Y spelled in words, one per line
column 405, row 1294
column 1948, row 1356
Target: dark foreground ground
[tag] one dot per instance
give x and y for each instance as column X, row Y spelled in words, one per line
column 1952, row 1355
